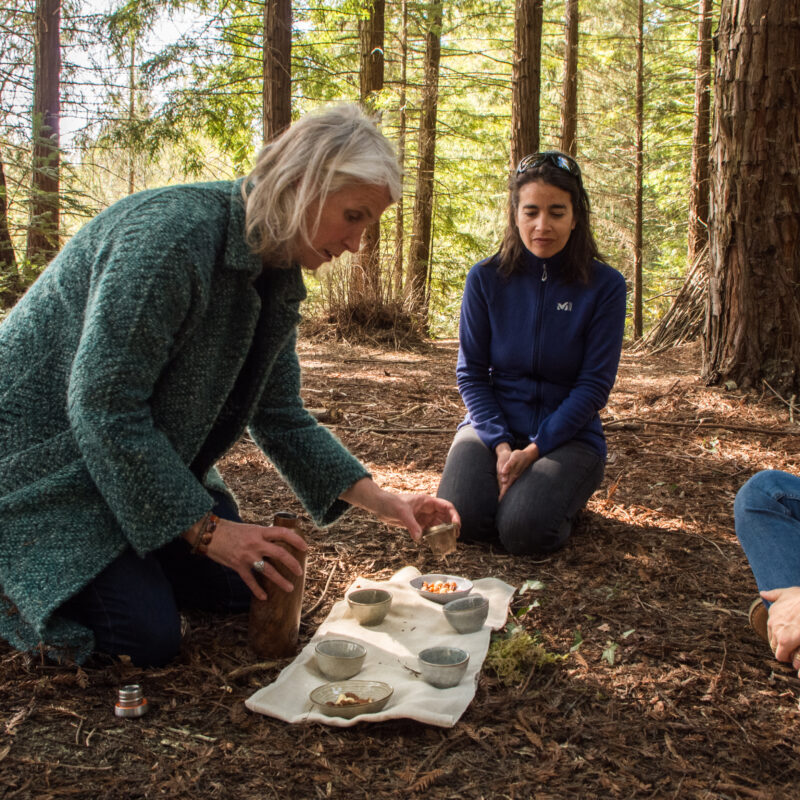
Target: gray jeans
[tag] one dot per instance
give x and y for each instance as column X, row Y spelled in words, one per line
column 537, row 512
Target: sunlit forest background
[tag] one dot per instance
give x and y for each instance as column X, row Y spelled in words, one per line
column 166, row 91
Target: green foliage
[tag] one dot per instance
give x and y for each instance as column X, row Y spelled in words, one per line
column 197, row 113
column 514, row 655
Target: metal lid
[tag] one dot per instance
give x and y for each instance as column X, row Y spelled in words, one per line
column 445, row 526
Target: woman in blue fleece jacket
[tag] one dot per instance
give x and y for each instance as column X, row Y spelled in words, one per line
column 540, row 339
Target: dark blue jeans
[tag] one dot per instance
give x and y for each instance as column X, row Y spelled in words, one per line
column 133, row 606
column 537, row 512
column 767, row 515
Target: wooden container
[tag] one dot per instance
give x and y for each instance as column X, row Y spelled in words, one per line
column 275, row 622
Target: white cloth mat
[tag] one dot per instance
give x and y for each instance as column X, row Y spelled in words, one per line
column 412, row 624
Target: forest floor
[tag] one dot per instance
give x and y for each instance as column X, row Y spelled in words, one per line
column 663, row 690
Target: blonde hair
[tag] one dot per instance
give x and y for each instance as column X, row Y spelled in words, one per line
column 319, row 154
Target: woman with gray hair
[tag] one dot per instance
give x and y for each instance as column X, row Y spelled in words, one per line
column 163, row 330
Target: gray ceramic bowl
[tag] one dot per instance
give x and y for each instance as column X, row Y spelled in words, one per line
column 371, row 696
column 468, row 614
column 369, row 606
column 338, row 659
column 443, row 667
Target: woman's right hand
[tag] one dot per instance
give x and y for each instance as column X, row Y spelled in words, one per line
column 239, row 545
column 783, row 624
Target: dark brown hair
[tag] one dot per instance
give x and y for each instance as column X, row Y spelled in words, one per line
column 581, row 247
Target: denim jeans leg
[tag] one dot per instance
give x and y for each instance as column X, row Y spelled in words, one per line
column 198, row 582
column 131, row 610
column 537, row 513
column 469, row 482
column 133, row 605
column 767, row 518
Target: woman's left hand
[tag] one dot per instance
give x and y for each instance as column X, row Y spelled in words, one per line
column 412, row 511
column 514, row 465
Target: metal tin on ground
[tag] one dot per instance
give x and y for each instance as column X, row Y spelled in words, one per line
column 131, row 702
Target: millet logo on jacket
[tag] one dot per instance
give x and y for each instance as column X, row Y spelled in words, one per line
column 564, row 306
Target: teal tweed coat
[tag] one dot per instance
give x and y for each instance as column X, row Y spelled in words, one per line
column 136, row 360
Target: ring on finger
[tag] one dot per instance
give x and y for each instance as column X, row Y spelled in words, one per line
column 258, row 566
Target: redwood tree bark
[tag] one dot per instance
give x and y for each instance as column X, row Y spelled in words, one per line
column 43, row 238
column 420, row 249
column 698, row 194
column 569, row 109
column 277, row 68
column 753, row 313
column 365, row 271
column 638, row 212
column 525, row 77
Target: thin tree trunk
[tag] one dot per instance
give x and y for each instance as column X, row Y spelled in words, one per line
column 365, row 270
column 11, row 287
column 525, row 78
column 43, row 238
column 277, row 72
column 132, row 114
column 698, row 194
column 753, row 313
column 399, row 226
column 371, row 35
column 638, row 210
column 420, row 250
column 569, row 111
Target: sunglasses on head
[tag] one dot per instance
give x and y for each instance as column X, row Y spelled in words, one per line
column 554, row 157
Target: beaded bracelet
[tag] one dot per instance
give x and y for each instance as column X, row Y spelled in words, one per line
column 207, row 527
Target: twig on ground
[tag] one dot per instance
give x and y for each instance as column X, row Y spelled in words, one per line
column 362, row 429
column 703, row 424
column 247, row 669
column 378, row 361
column 316, row 605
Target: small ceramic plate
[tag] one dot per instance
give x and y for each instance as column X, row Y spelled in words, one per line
column 331, row 698
column 463, row 587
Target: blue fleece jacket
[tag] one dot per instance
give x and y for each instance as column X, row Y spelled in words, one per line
column 538, row 356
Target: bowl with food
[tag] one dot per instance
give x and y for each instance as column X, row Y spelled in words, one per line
column 349, row 699
column 441, row 588
column 339, row 659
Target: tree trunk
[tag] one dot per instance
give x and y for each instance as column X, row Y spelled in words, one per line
column 277, row 73
column 43, row 238
column 753, row 313
column 525, row 78
column 420, row 250
column 399, row 225
column 371, row 34
column 698, row 191
column 638, row 222
column 10, row 283
column 132, row 113
column 365, row 281
column 569, row 110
